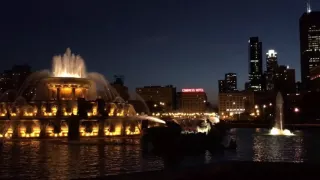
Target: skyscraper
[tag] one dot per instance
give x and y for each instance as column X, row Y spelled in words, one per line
column 255, row 64
column 285, row 80
column 309, row 44
column 272, row 65
column 231, row 82
column 222, row 86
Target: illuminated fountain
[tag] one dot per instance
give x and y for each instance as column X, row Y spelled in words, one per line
column 57, row 98
column 278, row 129
column 69, row 65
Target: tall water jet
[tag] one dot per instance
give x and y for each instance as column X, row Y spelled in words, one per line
column 69, row 65
column 278, row 128
column 279, row 112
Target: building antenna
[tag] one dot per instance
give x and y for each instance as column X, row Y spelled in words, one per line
column 308, row 6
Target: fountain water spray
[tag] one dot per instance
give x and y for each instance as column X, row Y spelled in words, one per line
column 278, row 129
column 68, row 65
column 151, row 118
column 52, row 97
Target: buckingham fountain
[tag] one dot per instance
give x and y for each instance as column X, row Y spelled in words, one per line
column 68, row 101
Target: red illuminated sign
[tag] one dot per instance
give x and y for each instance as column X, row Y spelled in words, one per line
column 193, row 90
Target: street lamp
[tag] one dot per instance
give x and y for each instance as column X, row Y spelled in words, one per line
column 296, row 110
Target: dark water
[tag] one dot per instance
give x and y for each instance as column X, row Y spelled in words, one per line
column 54, row 160
column 257, row 145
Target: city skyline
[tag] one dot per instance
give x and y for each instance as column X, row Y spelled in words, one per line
column 189, row 56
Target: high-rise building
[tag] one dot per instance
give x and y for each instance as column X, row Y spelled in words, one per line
column 298, row 87
column 309, row 44
column 315, row 79
column 222, row 86
column 13, row 80
column 15, row 77
column 20, row 74
column 255, row 64
column 192, row 100
column 231, row 82
column 285, row 80
column 236, row 103
column 6, row 81
column 272, row 65
column 158, row 97
column 247, row 86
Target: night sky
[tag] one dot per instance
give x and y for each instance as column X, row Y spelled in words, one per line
column 187, row 43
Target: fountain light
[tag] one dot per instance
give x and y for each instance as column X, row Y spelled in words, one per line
column 276, row 131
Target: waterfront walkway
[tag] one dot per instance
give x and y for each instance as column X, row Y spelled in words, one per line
column 230, row 170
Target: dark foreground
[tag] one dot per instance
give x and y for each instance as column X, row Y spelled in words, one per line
column 230, row 170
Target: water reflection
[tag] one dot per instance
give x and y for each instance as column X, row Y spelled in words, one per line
column 278, row 148
column 33, row 159
column 36, row 159
column 256, row 145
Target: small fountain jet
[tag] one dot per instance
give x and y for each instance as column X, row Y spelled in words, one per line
column 278, row 129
